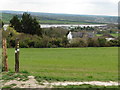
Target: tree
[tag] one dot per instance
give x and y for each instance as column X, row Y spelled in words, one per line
column 36, row 27
column 1, row 24
column 16, row 24
column 30, row 25
column 27, row 24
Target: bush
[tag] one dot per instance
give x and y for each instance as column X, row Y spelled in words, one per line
column 78, row 43
column 55, row 32
column 113, row 43
column 102, row 42
column 56, row 42
column 92, row 42
column 65, row 42
column 24, row 45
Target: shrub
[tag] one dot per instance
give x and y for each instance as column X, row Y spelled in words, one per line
column 102, row 42
column 78, row 42
column 65, row 42
column 24, row 45
column 113, row 43
column 92, row 42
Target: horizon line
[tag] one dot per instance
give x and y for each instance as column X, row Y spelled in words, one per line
column 60, row 13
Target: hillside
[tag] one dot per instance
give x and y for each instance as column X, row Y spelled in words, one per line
column 53, row 18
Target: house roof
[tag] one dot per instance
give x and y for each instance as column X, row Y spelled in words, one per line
column 82, row 34
column 77, row 34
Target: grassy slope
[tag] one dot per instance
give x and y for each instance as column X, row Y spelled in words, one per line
column 115, row 35
column 6, row 17
column 69, row 63
column 63, row 22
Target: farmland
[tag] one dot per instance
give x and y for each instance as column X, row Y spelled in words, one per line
column 56, row 18
column 72, row 64
column 114, row 35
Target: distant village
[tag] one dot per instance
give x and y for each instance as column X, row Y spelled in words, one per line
column 109, row 32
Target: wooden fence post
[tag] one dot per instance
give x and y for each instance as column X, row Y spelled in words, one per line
column 5, row 57
column 17, row 56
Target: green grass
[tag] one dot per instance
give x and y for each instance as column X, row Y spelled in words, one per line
column 23, row 76
column 73, row 64
column 99, row 34
column 114, row 35
column 6, row 17
column 66, row 22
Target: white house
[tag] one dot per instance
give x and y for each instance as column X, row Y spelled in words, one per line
column 108, row 39
column 72, row 35
column 69, row 36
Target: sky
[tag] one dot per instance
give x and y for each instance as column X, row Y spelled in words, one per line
column 85, row 7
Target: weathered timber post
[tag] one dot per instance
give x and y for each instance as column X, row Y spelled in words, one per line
column 5, row 57
column 17, row 56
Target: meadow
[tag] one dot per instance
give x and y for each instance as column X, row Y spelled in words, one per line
column 114, row 35
column 72, row 64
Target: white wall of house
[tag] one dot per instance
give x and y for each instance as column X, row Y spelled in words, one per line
column 5, row 26
column 108, row 39
column 69, row 36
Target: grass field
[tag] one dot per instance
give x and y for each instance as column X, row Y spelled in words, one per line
column 114, row 35
column 66, row 22
column 73, row 64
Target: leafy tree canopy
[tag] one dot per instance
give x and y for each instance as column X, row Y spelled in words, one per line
column 27, row 24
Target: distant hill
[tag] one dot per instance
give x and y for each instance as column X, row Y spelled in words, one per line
column 55, row 18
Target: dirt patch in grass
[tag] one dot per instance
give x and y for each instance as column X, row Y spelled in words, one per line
column 26, row 80
column 33, row 83
column 30, row 83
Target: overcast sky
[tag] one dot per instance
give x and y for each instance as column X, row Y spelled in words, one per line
column 90, row 7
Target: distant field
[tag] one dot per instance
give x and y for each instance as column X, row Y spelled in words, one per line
column 65, row 22
column 73, row 64
column 115, row 35
column 58, row 19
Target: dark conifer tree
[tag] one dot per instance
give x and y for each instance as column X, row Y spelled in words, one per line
column 28, row 24
column 16, row 24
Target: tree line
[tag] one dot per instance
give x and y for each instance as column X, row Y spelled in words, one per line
column 52, row 38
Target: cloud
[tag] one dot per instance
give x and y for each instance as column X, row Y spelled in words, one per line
column 94, row 7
